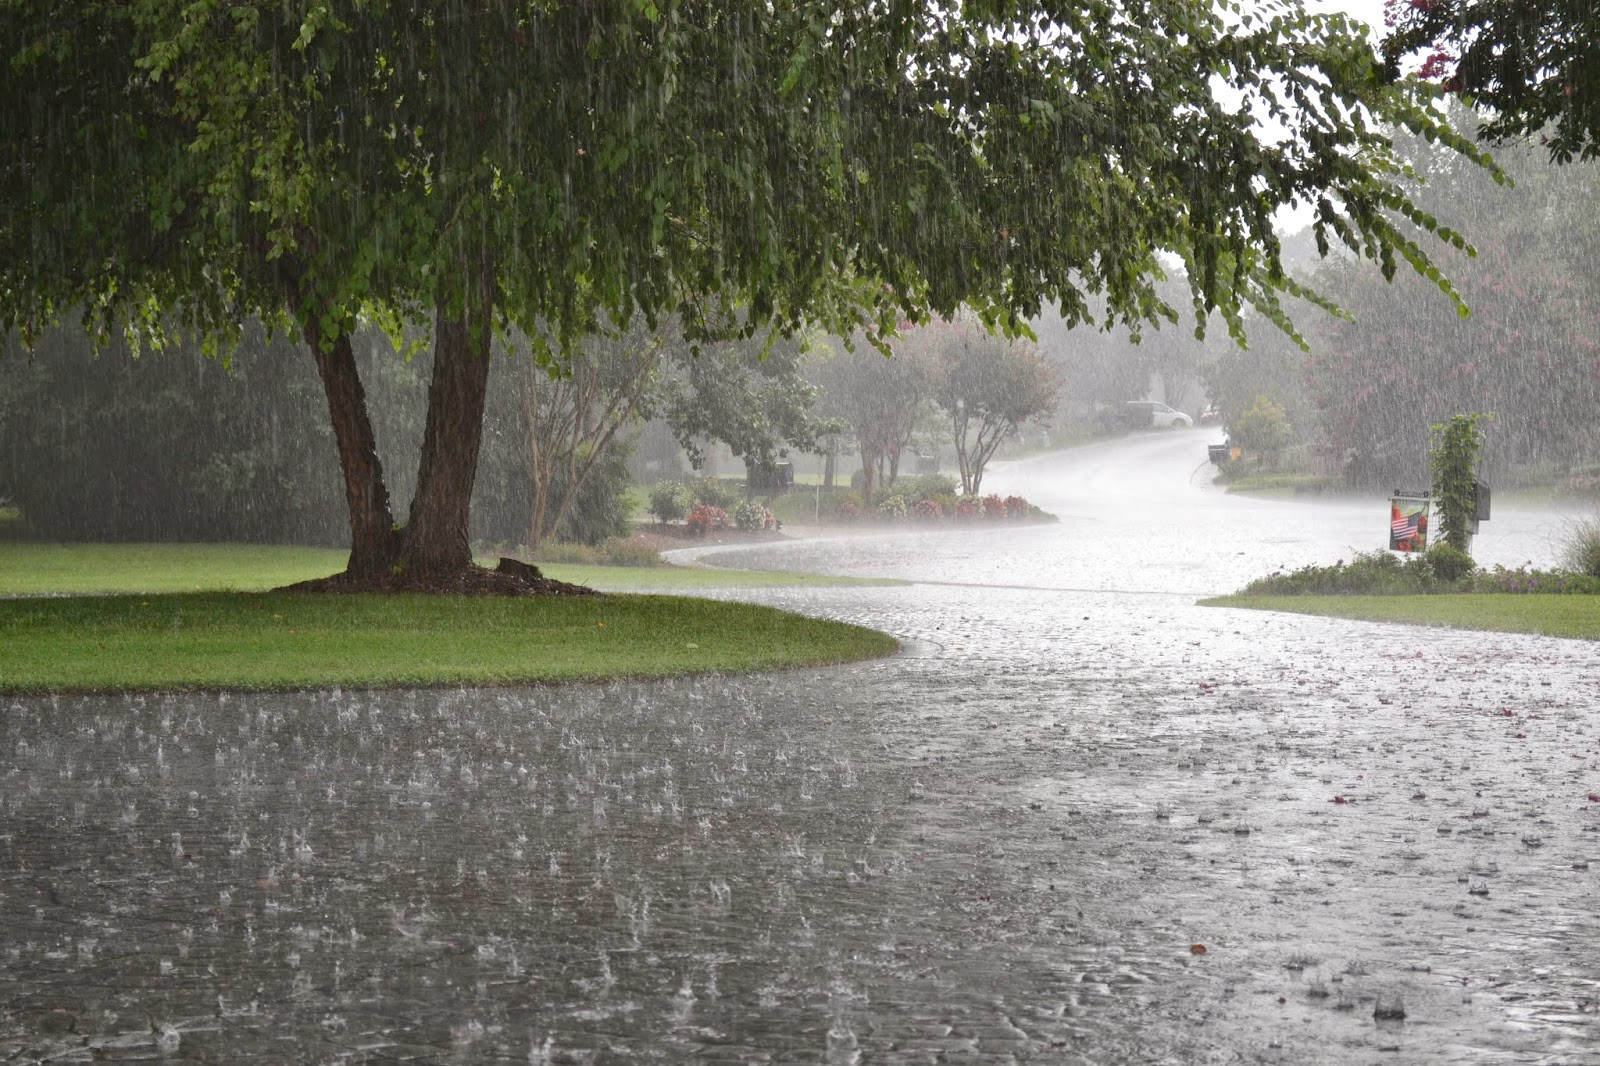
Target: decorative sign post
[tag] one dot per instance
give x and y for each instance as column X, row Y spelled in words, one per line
column 1408, row 521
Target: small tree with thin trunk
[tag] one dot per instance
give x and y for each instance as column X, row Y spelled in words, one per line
column 880, row 400
column 989, row 387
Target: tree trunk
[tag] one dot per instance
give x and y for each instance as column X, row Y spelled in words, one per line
column 373, row 542
column 538, row 464
column 436, row 544
column 869, row 466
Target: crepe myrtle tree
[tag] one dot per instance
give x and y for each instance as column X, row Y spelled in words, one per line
column 747, row 394
column 878, row 401
column 988, row 387
column 470, row 167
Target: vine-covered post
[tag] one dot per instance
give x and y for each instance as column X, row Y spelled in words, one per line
column 1457, row 445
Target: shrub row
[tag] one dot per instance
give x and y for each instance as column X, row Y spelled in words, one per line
column 672, row 501
column 1440, row 569
column 939, row 508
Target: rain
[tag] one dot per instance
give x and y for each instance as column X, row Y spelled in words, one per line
column 1080, row 817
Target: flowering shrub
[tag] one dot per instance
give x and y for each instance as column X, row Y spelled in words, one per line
column 753, row 516
column 898, row 503
column 706, row 518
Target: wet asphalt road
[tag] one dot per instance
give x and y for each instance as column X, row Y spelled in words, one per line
column 1005, row 845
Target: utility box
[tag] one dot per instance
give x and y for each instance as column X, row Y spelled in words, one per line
column 1480, row 505
column 1218, row 454
column 767, row 479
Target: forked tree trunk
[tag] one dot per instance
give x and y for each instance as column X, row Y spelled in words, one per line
column 435, row 539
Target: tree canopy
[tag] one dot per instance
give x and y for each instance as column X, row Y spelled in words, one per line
column 539, row 164
column 1534, row 65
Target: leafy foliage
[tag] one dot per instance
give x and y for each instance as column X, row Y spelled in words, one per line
column 988, row 388
column 715, row 492
column 706, row 518
column 1533, row 65
column 1458, row 444
column 670, row 500
column 170, row 446
column 615, row 551
column 1261, row 429
column 1441, row 569
column 881, row 401
column 1449, row 563
column 546, row 165
column 1367, row 573
column 750, row 515
column 1373, row 384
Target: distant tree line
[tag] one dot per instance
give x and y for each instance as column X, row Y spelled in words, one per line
column 178, row 445
column 1363, row 396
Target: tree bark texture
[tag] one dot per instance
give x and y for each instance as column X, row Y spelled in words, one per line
column 372, row 537
column 436, row 544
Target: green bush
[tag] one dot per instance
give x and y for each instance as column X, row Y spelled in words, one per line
column 1367, row 573
column 716, row 492
column 599, row 509
column 669, row 501
column 1449, row 563
column 916, row 487
column 1523, row 580
column 1263, row 430
column 1453, row 457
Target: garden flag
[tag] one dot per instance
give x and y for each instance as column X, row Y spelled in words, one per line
column 1408, row 524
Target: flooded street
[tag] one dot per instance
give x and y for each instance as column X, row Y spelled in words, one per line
column 1079, row 819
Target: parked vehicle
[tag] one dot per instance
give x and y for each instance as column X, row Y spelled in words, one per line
column 1144, row 414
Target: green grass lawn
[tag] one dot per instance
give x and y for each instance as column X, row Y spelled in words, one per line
column 91, row 569
column 1552, row 615
column 275, row 640
column 28, row 569
column 183, row 616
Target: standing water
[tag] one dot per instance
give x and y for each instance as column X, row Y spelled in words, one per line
column 1079, row 820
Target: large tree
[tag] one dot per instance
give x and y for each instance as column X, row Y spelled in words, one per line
column 539, row 163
